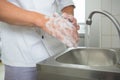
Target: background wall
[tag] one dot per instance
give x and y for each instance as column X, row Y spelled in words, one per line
column 103, row 33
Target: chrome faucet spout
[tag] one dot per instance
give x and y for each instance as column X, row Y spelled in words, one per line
column 107, row 14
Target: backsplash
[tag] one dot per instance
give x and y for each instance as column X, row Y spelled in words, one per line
column 109, row 35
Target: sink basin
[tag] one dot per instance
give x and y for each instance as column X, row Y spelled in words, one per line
column 81, row 64
column 89, row 56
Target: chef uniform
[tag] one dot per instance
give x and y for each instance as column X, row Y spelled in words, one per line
column 24, row 46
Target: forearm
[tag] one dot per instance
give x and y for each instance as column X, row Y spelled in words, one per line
column 14, row 15
column 68, row 10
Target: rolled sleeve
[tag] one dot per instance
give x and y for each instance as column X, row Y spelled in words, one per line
column 64, row 3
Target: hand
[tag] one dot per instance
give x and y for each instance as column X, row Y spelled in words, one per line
column 63, row 30
column 71, row 19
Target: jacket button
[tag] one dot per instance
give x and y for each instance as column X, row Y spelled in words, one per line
column 42, row 37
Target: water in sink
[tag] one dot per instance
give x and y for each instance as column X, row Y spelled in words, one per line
column 91, row 57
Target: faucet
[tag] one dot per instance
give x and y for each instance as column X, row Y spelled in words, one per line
column 107, row 14
column 110, row 16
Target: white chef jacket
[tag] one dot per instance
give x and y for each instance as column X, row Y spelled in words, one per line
column 23, row 46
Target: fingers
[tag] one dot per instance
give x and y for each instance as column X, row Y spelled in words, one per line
column 71, row 19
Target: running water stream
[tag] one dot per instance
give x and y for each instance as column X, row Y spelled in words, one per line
column 87, row 36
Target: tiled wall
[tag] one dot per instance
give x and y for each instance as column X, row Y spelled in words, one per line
column 109, row 35
column 106, row 31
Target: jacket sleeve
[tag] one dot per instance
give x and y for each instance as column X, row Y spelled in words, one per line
column 63, row 3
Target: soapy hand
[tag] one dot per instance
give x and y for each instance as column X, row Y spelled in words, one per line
column 71, row 19
column 62, row 29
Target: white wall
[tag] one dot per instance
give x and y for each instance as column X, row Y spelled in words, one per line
column 104, row 30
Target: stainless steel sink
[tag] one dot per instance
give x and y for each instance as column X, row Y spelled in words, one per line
column 91, row 57
column 81, row 64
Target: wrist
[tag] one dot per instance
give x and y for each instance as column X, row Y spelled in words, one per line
column 38, row 19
